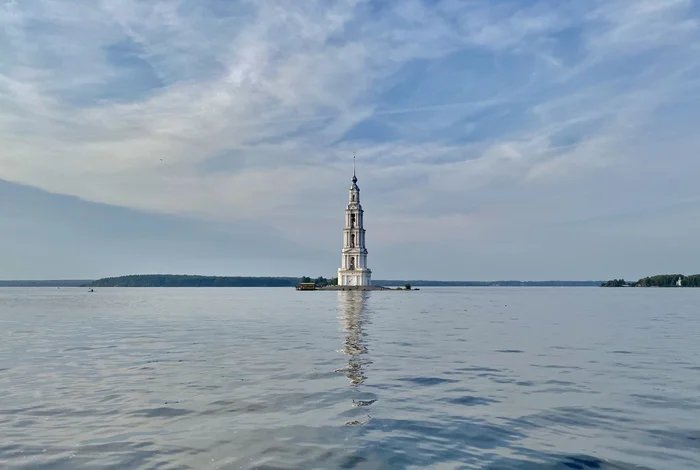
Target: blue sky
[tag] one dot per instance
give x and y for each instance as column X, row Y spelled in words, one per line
column 524, row 139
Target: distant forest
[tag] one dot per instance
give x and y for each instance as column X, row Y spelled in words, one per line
column 172, row 280
column 660, row 280
column 420, row 283
column 176, row 280
column 46, row 283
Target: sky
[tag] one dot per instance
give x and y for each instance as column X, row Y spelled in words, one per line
column 510, row 139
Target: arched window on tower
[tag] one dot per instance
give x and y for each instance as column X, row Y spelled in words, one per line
column 352, row 197
column 352, row 240
column 352, row 221
column 352, row 262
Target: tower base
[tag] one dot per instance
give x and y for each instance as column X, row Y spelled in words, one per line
column 354, row 277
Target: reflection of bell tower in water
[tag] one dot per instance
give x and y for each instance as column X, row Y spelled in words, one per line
column 353, row 316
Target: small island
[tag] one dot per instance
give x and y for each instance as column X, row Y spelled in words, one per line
column 660, row 280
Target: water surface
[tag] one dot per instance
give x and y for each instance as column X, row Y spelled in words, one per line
column 442, row 378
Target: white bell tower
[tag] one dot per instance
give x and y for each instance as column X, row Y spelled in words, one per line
column 353, row 265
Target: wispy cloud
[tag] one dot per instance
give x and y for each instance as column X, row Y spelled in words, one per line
column 463, row 114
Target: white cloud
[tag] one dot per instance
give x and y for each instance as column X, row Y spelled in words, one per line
column 643, row 24
column 277, row 85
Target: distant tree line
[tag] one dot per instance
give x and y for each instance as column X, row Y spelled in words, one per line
column 670, row 280
column 660, row 280
column 178, row 280
column 45, row 283
column 175, row 280
column 427, row 283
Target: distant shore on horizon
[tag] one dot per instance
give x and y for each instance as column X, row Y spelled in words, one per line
column 185, row 280
column 659, row 280
column 176, row 280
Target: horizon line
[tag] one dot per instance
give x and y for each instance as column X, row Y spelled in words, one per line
column 75, row 279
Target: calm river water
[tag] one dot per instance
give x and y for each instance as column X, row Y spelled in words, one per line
column 443, row 378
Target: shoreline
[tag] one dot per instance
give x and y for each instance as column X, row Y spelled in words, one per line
column 354, row 288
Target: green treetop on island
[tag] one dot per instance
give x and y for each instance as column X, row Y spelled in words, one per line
column 320, row 281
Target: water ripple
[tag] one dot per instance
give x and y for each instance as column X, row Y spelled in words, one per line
column 567, row 379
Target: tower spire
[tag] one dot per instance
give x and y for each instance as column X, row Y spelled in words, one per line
column 354, row 177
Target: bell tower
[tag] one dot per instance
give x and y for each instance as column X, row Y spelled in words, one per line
column 353, row 269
